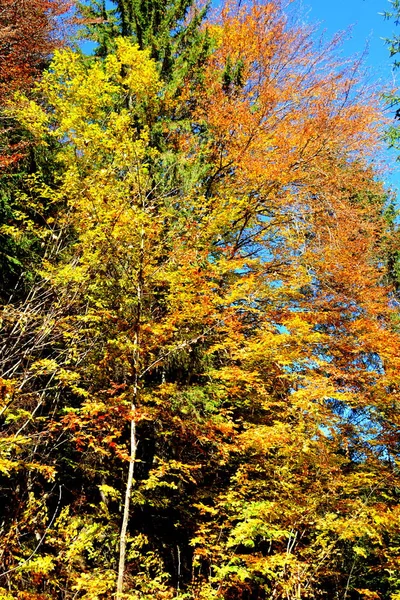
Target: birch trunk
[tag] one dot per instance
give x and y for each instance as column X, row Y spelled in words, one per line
column 133, row 433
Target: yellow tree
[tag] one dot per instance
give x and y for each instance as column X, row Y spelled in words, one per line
column 115, row 343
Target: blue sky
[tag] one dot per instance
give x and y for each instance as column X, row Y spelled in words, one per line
column 366, row 27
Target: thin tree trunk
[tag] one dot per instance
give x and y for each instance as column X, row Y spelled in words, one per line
column 125, row 519
column 133, row 436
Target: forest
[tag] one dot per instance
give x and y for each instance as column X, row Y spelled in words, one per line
column 199, row 307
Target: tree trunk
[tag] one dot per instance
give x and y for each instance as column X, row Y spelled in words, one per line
column 133, row 436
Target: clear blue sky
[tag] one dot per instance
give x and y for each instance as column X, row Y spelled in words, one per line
column 365, row 25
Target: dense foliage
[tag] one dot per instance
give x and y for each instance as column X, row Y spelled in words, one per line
column 200, row 375
column 29, row 33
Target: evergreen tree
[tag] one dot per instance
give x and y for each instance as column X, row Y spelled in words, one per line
column 171, row 30
column 393, row 137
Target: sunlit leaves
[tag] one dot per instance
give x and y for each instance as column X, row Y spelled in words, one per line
column 215, row 321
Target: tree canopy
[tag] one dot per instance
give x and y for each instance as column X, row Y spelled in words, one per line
column 200, row 377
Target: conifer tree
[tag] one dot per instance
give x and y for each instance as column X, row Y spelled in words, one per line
column 392, row 136
column 169, row 29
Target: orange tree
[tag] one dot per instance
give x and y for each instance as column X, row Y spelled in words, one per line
column 313, row 365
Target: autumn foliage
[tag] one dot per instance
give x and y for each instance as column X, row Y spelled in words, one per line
column 200, row 388
column 27, row 39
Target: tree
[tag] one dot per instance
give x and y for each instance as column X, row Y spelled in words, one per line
column 29, row 33
column 392, row 136
column 118, row 217
column 297, row 211
column 28, row 36
column 170, row 30
column 204, row 387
